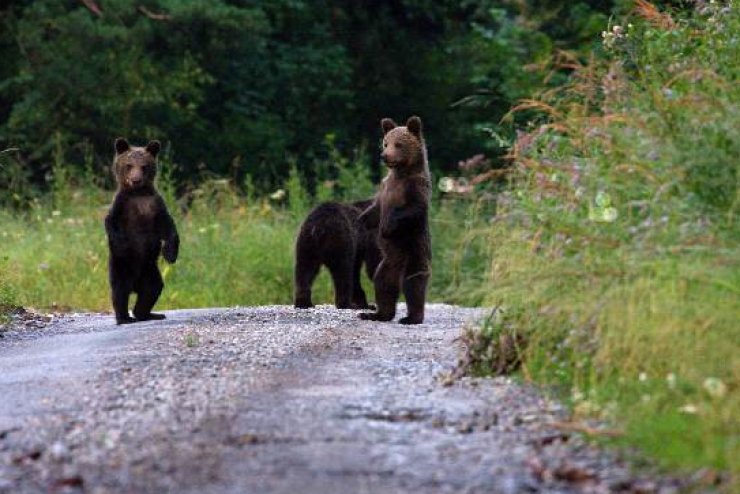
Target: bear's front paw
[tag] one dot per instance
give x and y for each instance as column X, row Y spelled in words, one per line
column 169, row 252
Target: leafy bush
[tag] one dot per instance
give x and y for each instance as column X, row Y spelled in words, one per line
column 615, row 253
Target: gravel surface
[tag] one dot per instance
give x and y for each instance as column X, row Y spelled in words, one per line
column 272, row 399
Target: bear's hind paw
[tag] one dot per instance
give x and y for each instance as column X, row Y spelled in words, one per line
column 374, row 316
column 152, row 316
column 408, row 320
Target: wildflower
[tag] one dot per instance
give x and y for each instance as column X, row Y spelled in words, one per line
column 642, row 377
column 56, row 213
column 714, row 387
column 602, row 199
column 446, row 184
column 577, row 395
column 671, row 380
column 609, row 215
column 611, row 37
column 602, row 211
column 278, row 195
column 689, row 409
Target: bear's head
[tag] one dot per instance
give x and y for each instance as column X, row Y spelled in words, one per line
column 135, row 167
column 403, row 147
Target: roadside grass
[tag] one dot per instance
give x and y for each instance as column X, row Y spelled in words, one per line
column 8, row 292
column 615, row 255
column 236, row 248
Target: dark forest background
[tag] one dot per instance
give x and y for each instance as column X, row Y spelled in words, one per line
column 237, row 87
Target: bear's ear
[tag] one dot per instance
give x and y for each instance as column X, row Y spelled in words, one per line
column 387, row 124
column 153, row 148
column 414, row 126
column 121, row 145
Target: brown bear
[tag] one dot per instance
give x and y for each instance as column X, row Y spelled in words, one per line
column 139, row 227
column 401, row 209
column 331, row 235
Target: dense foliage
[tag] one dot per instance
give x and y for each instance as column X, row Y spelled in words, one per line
column 615, row 255
column 239, row 87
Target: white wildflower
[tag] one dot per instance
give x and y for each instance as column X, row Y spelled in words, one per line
column 715, row 387
column 278, row 195
column 446, row 184
column 671, row 380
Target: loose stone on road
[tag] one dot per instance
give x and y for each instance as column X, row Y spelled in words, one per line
column 273, row 399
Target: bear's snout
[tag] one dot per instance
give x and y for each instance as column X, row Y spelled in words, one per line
column 136, row 177
column 386, row 158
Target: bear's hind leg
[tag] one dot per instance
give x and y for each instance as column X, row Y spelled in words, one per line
column 359, row 299
column 306, row 269
column 414, row 289
column 341, row 270
column 387, row 289
column 120, row 287
column 119, row 296
column 148, row 288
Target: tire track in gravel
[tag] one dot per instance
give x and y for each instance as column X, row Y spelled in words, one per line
column 271, row 399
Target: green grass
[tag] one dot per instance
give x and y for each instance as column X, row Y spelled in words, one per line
column 235, row 249
column 616, row 253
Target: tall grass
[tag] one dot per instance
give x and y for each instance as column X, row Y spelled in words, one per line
column 237, row 247
column 615, row 254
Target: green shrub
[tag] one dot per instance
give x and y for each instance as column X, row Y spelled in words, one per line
column 615, row 254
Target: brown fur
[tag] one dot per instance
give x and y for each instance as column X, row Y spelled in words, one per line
column 139, row 227
column 332, row 236
column 400, row 210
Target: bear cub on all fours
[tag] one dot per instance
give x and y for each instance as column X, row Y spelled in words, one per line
column 332, row 236
column 139, row 227
column 400, row 211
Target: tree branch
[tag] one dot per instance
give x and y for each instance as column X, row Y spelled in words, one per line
column 92, row 7
column 154, row 16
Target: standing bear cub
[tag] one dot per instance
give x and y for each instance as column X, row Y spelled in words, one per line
column 401, row 212
column 139, row 227
column 331, row 235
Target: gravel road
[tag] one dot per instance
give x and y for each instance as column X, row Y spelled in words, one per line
column 272, row 399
